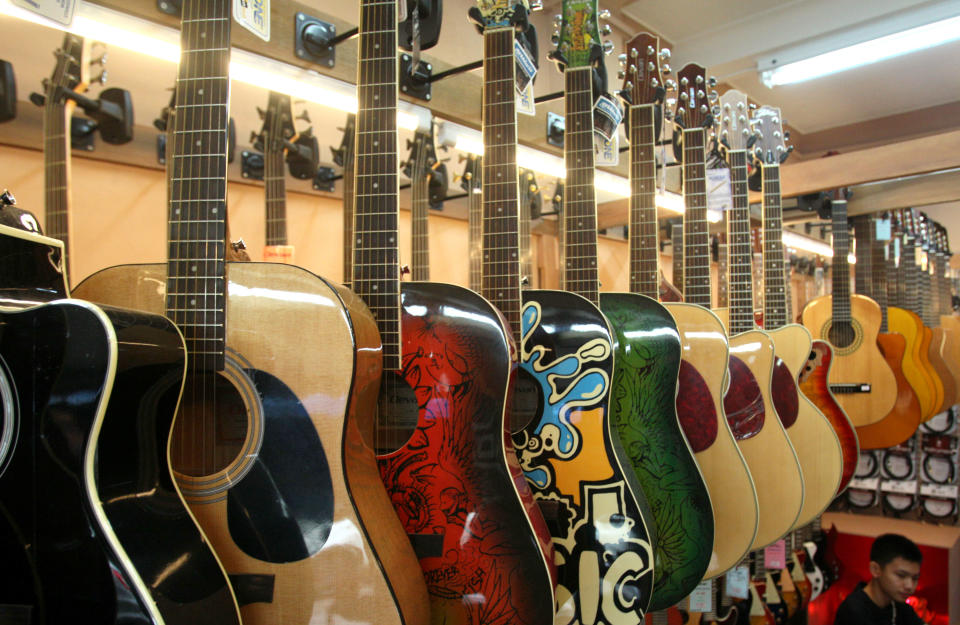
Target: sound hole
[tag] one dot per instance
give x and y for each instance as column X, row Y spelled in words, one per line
column 842, row 334
column 398, row 412
column 211, row 426
column 527, row 402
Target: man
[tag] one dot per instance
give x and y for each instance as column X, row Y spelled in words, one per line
column 894, row 571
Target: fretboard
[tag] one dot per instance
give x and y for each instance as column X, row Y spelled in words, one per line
column 676, row 244
column 198, row 183
column 739, row 248
column 870, row 270
column 273, row 176
column 644, row 249
column 696, row 231
column 501, row 209
column 348, row 183
column 895, row 291
column 419, row 218
column 841, row 266
column 908, row 275
column 475, row 225
column 376, row 269
column 926, row 302
column 580, row 208
column 56, row 170
column 526, row 255
column 775, row 313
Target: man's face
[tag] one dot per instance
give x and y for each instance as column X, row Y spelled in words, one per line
column 898, row 579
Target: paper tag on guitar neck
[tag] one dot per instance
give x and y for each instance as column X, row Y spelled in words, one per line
column 605, row 152
column 525, row 104
column 899, row 486
column 60, row 11
column 774, row 556
column 254, row 15
column 701, row 599
column 526, row 68
column 738, row 582
column 883, row 229
column 719, row 195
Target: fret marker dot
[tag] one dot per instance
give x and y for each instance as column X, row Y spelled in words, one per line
column 358, row 240
column 193, row 302
column 374, row 287
column 200, row 91
column 391, row 239
column 376, row 96
column 376, row 143
column 176, row 211
column 499, row 209
column 376, row 46
column 198, row 142
column 193, row 268
column 376, row 185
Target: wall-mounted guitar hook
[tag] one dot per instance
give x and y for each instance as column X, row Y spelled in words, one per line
column 316, row 40
column 8, row 92
column 416, row 82
column 427, row 21
column 111, row 114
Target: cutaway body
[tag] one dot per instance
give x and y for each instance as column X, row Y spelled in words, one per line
column 944, row 374
column 903, row 420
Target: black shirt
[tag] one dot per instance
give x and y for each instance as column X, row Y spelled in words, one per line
column 859, row 609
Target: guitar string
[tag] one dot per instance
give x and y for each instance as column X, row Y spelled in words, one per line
column 696, row 268
column 644, row 230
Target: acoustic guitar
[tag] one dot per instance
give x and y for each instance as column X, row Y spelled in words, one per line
column 860, row 377
column 941, row 299
column 471, row 183
column 647, row 361
column 443, row 448
column 898, row 347
column 813, row 437
column 428, row 175
column 748, row 402
column 948, row 320
column 568, row 445
column 930, row 317
column 284, row 485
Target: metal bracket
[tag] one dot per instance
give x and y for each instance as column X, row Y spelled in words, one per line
column 162, row 148
column 415, row 82
column 325, row 178
column 251, row 165
column 82, row 133
column 556, row 125
column 316, row 40
column 8, row 92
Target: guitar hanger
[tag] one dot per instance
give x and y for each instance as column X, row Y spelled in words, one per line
column 8, row 92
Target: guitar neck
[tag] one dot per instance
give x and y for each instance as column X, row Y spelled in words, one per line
column 276, row 191
column 475, row 225
column 644, row 248
column 346, row 154
column 580, row 208
column 696, row 231
column 501, row 266
column 526, row 257
column 198, row 183
column 676, row 244
column 841, row 267
column 870, row 270
column 909, row 277
column 419, row 219
column 739, row 248
column 777, row 295
column 56, row 183
column 376, row 268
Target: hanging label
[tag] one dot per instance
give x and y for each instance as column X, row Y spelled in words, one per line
column 278, row 254
column 526, row 68
column 701, row 599
column 947, row 491
column 774, row 556
column 606, row 117
column 525, row 104
column 60, row 11
column 719, row 195
column 883, row 229
column 865, row 483
column 899, row 486
column 606, row 152
column 738, row 582
column 254, row 15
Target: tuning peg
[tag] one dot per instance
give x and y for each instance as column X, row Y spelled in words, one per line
column 100, row 60
column 714, row 96
column 304, row 116
column 627, row 86
column 712, row 82
column 700, row 94
column 665, row 54
column 670, row 84
column 253, row 137
column 604, row 14
column 7, row 198
column 651, row 66
column 786, row 134
column 714, row 110
column 606, row 29
column 557, row 19
column 684, row 82
column 38, row 99
column 262, row 113
column 666, row 70
column 536, row 5
column 699, row 80
column 102, row 78
column 684, row 95
column 621, row 74
column 622, row 59
column 308, row 132
column 607, row 46
column 654, row 82
column 704, row 109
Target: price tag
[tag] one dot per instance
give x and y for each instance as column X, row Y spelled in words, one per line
column 606, row 117
column 947, row 491
column 278, row 254
column 865, row 483
column 525, row 103
column 606, row 152
column 719, row 195
column 899, row 486
column 738, row 582
column 883, row 229
column 701, row 599
column 526, row 68
column 60, row 11
column 774, row 556
column 254, row 15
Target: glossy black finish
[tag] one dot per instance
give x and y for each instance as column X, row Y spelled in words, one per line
column 30, row 267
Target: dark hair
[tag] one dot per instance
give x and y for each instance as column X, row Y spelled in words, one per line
column 889, row 546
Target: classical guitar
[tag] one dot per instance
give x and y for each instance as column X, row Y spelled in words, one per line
column 703, row 370
column 343, row 156
column 898, row 346
column 568, row 446
column 269, row 450
column 423, row 169
column 471, row 184
column 647, row 363
column 443, row 448
column 84, row 481
column 747, row 404
column 813, row 437
column 860, row 377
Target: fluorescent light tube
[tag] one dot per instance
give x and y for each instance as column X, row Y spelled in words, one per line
column 879, row 49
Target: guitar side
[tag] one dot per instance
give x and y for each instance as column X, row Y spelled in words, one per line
column 857, row 364
column 643, row 411
column 575, row 466
column 904, row 419
column 926, row 339
column 289, row 418
column 810, row 433
column 908, row 324
column 699, row 402
column 944, row 374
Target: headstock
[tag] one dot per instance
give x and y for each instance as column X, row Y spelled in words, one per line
column 641, row 70
column 489, row 14
column 530, row 193
column 278, row 135
column 277, row 123
column 693, row 99
column 344, row 153
column 423, row 163
column 578, row 35
column 470, row 178
column 70, row 73
column 734, row 129
column 770, row 148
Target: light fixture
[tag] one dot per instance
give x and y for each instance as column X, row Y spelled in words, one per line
column 777, row 70
column 808, row 244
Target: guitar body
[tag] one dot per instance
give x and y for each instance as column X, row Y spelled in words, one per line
column 903, row 420
column 451, row 483
column 917, row 372
column 699, row 403
column 938, row 338
column 774, row 605
column 813, row 383
column 643, row 411
column 576, row 466
column 760, row 613
column 951, row 354
column 856, row 364
column 813, row 438
column 926, row 338
column 63, row 563
column 800, row 581
column 275, row 499
column 812, row 571
column 763, row 441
